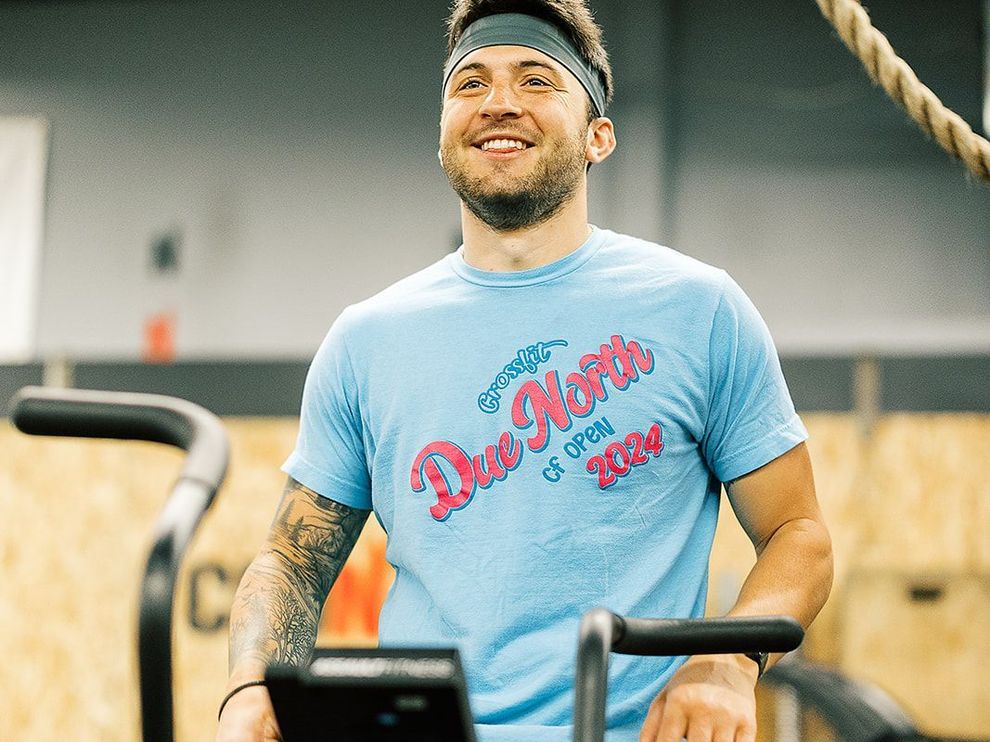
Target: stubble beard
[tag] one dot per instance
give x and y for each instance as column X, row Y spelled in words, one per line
column 508, row 203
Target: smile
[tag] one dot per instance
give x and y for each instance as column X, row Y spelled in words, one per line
column 503, row 145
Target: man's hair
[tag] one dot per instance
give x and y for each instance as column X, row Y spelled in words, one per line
column 573, row 17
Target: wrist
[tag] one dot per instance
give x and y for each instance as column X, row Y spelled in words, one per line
column 742, row 663
column 238, row 690
column 247, row 668
column 735, row 671
column 750, row 666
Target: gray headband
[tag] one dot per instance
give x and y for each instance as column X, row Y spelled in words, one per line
column 517, row 29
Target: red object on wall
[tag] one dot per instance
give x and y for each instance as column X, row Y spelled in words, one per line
column 159, row 338
column 350, row 616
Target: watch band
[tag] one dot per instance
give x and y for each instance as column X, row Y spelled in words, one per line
column 760, row 658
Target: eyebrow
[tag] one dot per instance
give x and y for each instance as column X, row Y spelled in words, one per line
column 524, row 64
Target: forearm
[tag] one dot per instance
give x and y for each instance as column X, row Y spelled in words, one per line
column 276, row 610
column 274, row 618
column 792, row 575
column 777, row 507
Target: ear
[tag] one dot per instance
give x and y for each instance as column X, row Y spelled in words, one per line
column 600, row 141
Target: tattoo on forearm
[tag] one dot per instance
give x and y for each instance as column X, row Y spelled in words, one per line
column 276, row 610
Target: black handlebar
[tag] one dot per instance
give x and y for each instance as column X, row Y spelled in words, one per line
column 673, row 637
column 84, row 413
column 603, row 632
column 147, row 417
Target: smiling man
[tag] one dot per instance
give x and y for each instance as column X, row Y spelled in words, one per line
column 542, row 422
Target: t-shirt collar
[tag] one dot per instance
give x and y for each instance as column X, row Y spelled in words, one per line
column 531, row 276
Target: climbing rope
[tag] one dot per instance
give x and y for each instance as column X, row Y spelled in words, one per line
column 952, row 133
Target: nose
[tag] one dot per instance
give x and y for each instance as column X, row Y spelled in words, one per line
column 499, row 103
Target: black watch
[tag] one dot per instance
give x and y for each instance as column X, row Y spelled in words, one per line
column 760, row 658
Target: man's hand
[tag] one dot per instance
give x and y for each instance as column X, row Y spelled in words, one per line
column 249, row 717
column 711, row 698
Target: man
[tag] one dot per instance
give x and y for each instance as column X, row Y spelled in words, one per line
column 542, row 423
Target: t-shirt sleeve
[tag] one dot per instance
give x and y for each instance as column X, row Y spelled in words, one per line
column 751, row 418
column 329, row 456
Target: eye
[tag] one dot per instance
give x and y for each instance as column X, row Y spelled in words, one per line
column 472, row 84
column 539, row 82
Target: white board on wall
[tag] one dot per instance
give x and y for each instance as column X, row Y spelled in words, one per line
column 23, row 164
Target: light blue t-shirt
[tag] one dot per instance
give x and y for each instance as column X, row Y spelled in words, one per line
column 538, row 443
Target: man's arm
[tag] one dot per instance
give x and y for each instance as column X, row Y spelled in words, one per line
column 712, row 697
column 778, row 508
column 276, row 609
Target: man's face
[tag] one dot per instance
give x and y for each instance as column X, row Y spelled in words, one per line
column 513, row 135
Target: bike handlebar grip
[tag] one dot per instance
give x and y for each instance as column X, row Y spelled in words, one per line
column 730, row 635
column 84, row 413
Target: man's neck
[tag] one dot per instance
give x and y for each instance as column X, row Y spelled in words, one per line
column 526, row 248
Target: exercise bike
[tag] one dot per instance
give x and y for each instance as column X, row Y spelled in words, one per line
column 385, row 694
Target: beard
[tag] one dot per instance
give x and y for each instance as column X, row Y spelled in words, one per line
column 506, row 202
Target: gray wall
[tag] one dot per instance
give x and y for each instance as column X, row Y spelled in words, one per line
column 294, row 148
column 850, row 230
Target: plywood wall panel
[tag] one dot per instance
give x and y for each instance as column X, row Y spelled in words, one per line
column 73, row 542
column 77, row 518
column 926, row 641
column 930, row 492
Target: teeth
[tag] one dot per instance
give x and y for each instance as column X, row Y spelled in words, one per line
column 502, row 144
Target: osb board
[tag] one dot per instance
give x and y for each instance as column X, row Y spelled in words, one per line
column 77, row 518
column 926, row 641
column 926, row 506
column 914, row 497
column 69, row 548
